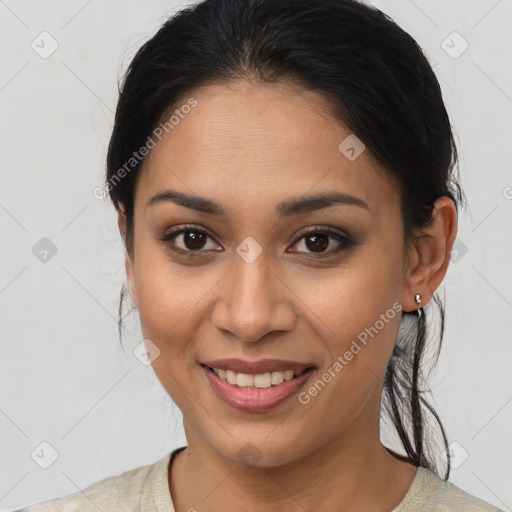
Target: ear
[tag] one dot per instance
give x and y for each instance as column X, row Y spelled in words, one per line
column 128, row 262
column 429, row 255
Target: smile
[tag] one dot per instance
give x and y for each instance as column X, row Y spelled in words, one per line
column 248, row 387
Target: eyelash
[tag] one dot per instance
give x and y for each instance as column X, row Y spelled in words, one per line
column 345, row 242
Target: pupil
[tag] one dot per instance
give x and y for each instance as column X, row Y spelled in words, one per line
column 318, row 242
column 194, row 240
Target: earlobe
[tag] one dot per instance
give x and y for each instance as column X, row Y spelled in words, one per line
column 430, row 254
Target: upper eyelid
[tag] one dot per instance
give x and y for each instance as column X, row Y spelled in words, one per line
column 184, row 229
column 318, row 229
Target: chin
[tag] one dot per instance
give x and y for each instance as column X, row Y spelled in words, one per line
column 258, row 451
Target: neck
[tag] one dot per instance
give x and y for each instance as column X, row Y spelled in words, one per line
column 353, row 471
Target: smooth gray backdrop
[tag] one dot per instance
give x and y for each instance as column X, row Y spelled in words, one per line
column 70, row 398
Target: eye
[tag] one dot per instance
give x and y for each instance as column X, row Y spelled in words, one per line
column 193, row 242
column 188, row 240
column 318, row 240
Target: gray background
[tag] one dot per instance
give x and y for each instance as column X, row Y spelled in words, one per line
column 64, row 378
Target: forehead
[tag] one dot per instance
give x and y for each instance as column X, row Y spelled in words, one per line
column 247, row 142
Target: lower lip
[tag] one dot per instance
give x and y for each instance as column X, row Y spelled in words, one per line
column 254, row 400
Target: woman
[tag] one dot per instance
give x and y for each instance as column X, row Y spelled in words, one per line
column 284, row 177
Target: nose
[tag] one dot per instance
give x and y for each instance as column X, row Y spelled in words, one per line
column 253, row 301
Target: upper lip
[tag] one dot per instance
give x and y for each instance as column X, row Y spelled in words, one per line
column 257, row 367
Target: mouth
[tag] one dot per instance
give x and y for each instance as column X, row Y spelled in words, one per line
column 256, row 386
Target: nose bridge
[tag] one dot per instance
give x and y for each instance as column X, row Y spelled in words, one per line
column 253, row 300
column 253, row 285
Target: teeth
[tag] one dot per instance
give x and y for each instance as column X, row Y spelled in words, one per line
column 288, row 375
column 243, row 380
column 261, row 380
column 277, row 377
column 230, row 376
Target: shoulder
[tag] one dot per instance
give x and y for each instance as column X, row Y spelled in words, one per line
column 126, row 491
column 430, row 493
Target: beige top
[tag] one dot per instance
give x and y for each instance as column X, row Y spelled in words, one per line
column 146, row 489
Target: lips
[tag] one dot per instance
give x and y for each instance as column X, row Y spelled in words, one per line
column 256, row 385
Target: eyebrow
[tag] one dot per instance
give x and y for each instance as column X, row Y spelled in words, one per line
column 292, row 206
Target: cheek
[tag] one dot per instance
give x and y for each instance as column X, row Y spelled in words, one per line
column 169, row 308
column 350, row 299
column 167, row 299
column 166, row 290
column 359, row 308
column 355, row 369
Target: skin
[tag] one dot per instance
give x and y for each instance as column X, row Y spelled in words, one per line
column 248, row 147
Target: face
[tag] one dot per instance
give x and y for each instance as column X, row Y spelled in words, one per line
column 258, row 279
